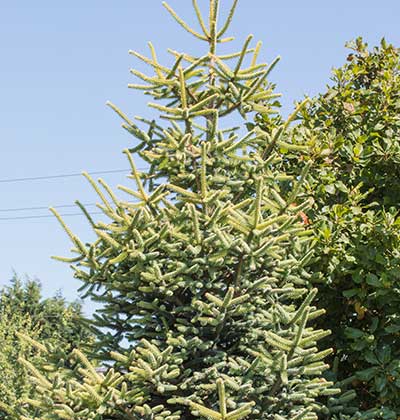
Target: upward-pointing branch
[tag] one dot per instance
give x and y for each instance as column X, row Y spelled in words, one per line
column 183, row 23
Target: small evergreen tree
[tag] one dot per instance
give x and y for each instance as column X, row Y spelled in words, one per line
column 51, row 321
column 201, row 270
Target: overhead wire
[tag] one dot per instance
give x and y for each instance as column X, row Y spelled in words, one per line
column 43, row 207
column 46, row 177
column 45, row 216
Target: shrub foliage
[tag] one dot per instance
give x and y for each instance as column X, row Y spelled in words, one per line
column 353, row 132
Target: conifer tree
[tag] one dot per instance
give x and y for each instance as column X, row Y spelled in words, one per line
column 51, row 321
column 200, row 270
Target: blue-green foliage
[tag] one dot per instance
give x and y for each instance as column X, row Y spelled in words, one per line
column 201, row 268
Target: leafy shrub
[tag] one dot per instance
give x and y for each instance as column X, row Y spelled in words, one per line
column 353, row 135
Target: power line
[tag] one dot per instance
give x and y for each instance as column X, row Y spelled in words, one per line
column 39, row 178
column 47, row 216
column 45, row 177
column 44, row 207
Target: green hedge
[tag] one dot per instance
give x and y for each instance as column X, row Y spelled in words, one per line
column 355, row 183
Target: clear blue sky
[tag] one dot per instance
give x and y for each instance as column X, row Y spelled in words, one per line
column 61, row 61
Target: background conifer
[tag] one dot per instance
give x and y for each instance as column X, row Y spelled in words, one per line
column 52, row 321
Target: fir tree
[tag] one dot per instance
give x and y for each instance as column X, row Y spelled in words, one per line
column 200, row 270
